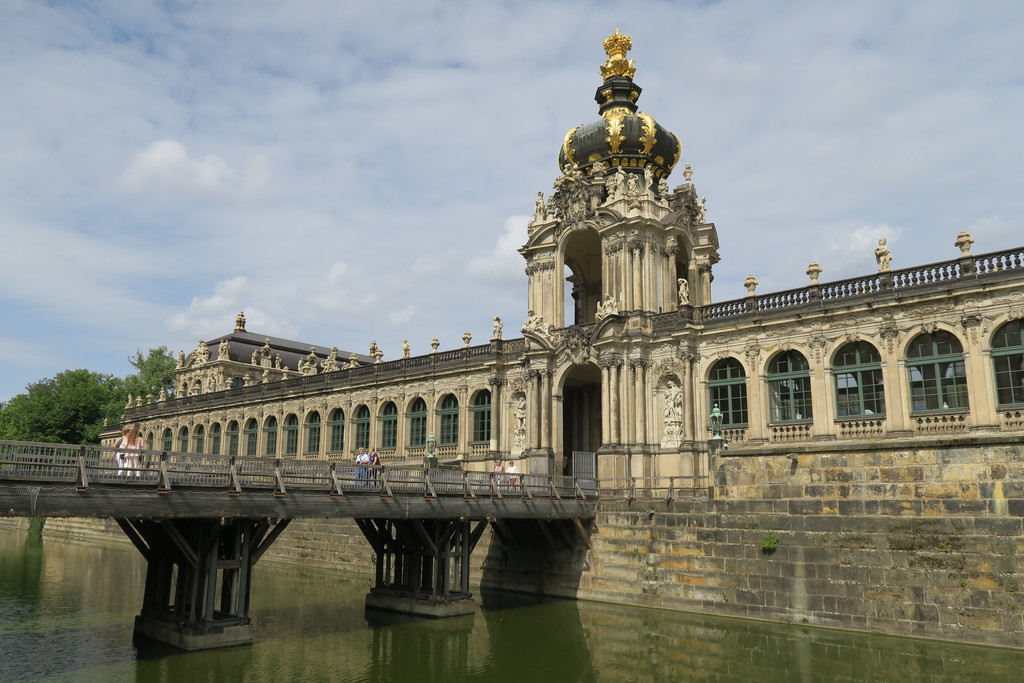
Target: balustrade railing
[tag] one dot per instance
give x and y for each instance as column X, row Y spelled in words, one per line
column 656, row 488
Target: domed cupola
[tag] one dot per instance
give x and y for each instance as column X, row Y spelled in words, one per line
column 624, row 136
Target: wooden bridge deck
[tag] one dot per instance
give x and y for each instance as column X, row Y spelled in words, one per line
column 58, row 480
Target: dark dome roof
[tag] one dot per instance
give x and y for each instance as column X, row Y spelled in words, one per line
column 623, row 136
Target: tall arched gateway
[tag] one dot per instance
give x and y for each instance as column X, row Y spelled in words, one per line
column 581, row 412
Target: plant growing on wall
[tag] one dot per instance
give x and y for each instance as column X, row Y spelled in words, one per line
column 769, row 543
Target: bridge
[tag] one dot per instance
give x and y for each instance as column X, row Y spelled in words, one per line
column 202, row 521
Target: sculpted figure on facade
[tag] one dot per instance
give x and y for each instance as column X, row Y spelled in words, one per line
column 224, row 350
column 307, row 366
column 181, row 358
column 615, row 183
column 883, row 256
column 519, row 425
column 497, row 327
column 702, row 211
column 202, row 353
column 330, row 363
column 608, row 306
column 405, row 348
column 684, row 291
column 673, row 415
column 540, row 209
column 534, row 324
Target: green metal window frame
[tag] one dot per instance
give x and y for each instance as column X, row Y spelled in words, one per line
column 789, row 388
column 727, row 388
column 362, row 427
column 149, row 441
column 337, row 424
column 1008, row 364
column 481, row 411
column 937, row 375
column 389, row 425
column 252, row 431
column 418, row 423
column 183, row 440
column 859, row 390
column 270, row 437
column 167, row 443
column 198, row 439
column 232, row 436
column 313, row 433
column 449, row 413
column 215, row 434
column 291, row 436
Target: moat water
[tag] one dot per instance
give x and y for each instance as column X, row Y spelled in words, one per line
column 66, row 612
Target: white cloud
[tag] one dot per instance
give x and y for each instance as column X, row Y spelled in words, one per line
column 165, row 170
column 504, row 264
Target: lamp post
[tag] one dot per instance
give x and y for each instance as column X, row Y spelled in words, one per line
column 716, row 441
column 430, row 460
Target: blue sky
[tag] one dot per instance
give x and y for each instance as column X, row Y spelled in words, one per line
column 349, row 172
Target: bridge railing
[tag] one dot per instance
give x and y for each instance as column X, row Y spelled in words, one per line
column 85, row 466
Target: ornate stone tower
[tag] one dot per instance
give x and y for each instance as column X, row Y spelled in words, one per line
column 612, row 230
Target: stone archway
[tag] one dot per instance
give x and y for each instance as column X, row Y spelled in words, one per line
column 581, row 412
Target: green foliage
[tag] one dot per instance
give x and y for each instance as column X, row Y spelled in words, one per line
column 769, row 543
column 155, row 372
column 72, row 407
column 945, row 545
column 68, row 408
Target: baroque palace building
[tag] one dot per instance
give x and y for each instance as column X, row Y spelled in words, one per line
column 636, row 370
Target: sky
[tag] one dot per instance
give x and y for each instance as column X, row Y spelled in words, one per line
column 348, row 172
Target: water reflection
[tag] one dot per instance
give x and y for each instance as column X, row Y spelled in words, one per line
column 66, row 612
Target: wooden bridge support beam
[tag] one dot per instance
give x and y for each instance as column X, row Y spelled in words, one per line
column 422, row 565
column 198, row 578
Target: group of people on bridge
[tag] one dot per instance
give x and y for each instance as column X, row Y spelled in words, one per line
column 506, row 475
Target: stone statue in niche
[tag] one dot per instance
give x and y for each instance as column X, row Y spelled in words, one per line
column 673, row 415
column 519, row 430
column 883, row 256
column 684, row 291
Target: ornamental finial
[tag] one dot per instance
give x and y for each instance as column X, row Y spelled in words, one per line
column 240, row 322
column 616, row 46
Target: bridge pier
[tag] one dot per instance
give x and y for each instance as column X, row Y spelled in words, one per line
column 198, row 578
column 422, row 565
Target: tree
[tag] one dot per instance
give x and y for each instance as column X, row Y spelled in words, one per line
column 68, row 408
column 155, row 372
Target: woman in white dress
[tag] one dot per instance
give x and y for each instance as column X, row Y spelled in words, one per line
column 132, row 444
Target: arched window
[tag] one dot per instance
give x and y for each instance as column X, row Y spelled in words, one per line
column 237, row 382
column 232, row 435
column 857, row 368
column 168, row 440
column 337, row 430
column 418, row 423
column 313, row 433
column 482, row 417
column 789, row 388
column 449, row 421
column 149, row 441
column 362, row 424
column 389, row 426
column 215, row 438
column 251, row 432
column 1008, row 363
column 938, row 379
column 727, row 388
column 270, row 437
column 183, row 440
column 198, row 439
column 291, row 436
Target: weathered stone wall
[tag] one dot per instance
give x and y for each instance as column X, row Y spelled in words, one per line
column 922, row 542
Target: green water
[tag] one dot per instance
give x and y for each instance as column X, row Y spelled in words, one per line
column 66, row 613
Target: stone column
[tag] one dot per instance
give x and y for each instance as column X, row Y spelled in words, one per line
column 981, row 388
column 613, row 390
column 757, row 399
column 545, row 408
column 496, row 414
column 606, row 389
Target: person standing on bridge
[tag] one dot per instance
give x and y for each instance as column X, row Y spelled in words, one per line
column 374, row 462
column 132, row 444
column 362, row 464
column 513, row 473
column 119, row 455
